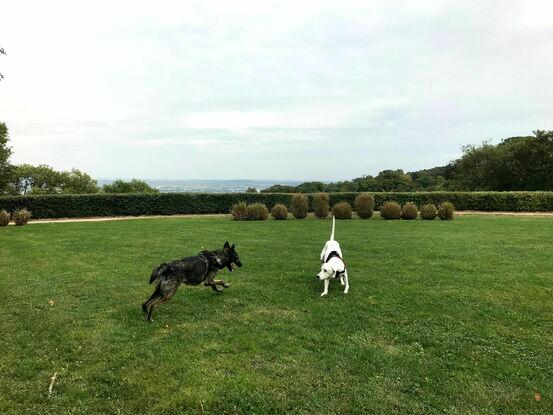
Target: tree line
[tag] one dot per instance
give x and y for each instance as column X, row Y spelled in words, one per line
column 516, row 163
column 25, row 179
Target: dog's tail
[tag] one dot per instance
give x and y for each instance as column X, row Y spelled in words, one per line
column 158, row 273
column 333, row 226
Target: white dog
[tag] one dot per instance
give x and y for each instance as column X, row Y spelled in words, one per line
column 332, row 264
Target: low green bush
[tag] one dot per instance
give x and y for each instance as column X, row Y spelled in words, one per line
column 300, row 205
column 364, row 205
column 257, row 211
column 428, row 212
column 239, row 211
column 279, row 212
column 409, row 211
column 390, row 211
column 342, row 210
column 5, row 218
column 446, row 211
column 321, row 205
column 21, row 217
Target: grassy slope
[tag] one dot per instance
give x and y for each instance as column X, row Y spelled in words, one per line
column 441, row 318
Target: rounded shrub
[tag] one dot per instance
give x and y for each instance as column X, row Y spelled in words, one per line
column 390, row 210
column 364, row 205
column 279, row 211
column 239, row 211
column 21, row 217
column 409, row 211
column 5, row 218
column 257, row 211
column 446, row 210
column 428, row 212
column 321, row 205
column 342, row 210
column 300, row 206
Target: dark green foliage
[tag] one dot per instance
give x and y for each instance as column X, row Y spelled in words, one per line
column 5, row 153
column 5, row 218
column 257, row 211
column 364, row 205
column 321, row 205
column 429, row 212
column 21, row 217
column 300, row 206
column 279, row 212
column 42, row 180
column 279, row 188
column 446, row 210
column 342, row 210
column 390, row 210
column 78, row 206
column 134, row 186
column 409, row 211
column 239, row 211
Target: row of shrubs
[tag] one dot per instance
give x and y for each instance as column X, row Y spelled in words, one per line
column 78, row 206
column 393, row 210
column 20, row 217
column 363, row 206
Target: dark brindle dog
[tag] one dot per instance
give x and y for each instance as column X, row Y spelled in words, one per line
column 192, row 270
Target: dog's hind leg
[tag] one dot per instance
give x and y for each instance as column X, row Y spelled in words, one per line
column 154, row 295
column 165, row 293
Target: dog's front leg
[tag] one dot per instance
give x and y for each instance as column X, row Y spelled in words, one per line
column 326, row 284
column 214, row 286
column 346, row 281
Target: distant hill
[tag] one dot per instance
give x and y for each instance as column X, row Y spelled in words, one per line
column 207, row 186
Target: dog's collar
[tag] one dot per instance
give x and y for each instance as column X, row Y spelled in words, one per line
column 334, row 254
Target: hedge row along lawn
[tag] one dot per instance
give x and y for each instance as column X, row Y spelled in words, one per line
column 442, row 317
column 74, row 206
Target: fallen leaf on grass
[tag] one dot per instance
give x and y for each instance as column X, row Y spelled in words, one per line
column 537, row 396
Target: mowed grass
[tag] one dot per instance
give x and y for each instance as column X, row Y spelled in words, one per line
column 442, row 317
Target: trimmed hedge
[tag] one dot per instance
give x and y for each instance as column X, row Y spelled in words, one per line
column 75, row 206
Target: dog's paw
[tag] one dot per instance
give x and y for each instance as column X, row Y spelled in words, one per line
column 323, row 294
column 226, row 285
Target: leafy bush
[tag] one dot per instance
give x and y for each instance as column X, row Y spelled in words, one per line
column 321, row 205
column 364, row 205
column 446, row 210
column 257, row 211
column 342, row 210
column 428, row 212
column 239, row 211
column 279, row 211
column 409, row 211
column 21, row 217
column 390, row 210
column 300, row 206
column 5, row 218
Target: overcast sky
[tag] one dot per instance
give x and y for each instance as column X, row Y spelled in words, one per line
column 275, row 90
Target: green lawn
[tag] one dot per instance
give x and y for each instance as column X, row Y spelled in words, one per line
column 442, row 317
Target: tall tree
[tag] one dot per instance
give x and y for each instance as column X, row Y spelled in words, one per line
column 5, row 153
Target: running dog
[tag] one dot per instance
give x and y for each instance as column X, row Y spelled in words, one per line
column 332, row 264
column 193, row 270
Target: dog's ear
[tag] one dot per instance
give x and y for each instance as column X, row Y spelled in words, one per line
column 232, row 247
column 226, row 247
